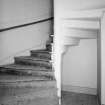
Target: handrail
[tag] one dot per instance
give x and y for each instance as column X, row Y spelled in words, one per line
column 26, row 24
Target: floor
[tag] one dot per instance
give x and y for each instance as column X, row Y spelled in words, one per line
column 70, row 98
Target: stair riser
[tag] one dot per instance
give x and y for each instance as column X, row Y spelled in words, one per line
column 50, row 75
column 81, row 33
column 31, row 84
column 41, row 56
column 24, row 68
column 45, row 101
column 34, row 63
column 35, row 101
column 17, row 91
column 44, row 51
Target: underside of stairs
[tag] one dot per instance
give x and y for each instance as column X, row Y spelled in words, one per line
column 73, row 26
column 78, row 25
column 30, row 79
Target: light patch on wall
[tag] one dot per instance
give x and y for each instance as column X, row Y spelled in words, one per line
column 80, row 65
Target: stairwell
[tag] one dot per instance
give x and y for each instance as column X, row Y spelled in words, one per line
column 30, row 80
column 73, row 26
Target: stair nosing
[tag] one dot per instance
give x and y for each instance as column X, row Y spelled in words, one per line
column 40, row 51
column 10, row 66
column 32, row 58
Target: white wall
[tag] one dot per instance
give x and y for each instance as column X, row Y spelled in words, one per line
column 14, row 12
column 80, row 65
column 19, row 41
column 68, row 5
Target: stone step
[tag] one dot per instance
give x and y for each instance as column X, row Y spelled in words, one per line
column 30, row 99
column 44, row 101
column 28, row 60
column 24, row 67
column 36, row 101
column 15, row 69
column 81, row 33
column 13, row 92
column 41, row 51
column 41, row 92
column 16, row 78
column 41, row 54
column 30, row 83
column 13, row 86
column 88, row 15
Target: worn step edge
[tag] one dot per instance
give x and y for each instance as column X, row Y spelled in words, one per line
column 44, row 56
column 25, row 61
column 31, row 100
column 17, row 78
column 40, row 51
column 12, row 91
column 32, row 58
column 49, row 74
column 32, row 84
column 24, row 67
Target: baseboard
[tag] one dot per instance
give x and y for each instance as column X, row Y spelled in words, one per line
column 78, row 89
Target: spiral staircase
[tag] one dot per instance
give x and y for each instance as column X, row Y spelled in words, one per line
column 73, row 26
column 79, row 25
column 30, row 80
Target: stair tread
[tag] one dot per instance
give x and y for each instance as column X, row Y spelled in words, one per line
column 32, row 58
column 42, row 55
column 43, row 98
column 25, row 67
column 41, row 51
column 26, row 93
column 27, row 60
column 15, row 78
column 15, row 69
column 30, row 84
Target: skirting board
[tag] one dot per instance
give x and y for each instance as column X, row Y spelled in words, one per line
column 78, row 89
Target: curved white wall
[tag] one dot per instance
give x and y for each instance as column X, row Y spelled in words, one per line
column 14, row 12
column 19, row 41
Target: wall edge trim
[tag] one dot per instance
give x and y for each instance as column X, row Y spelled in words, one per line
column 78, row 89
